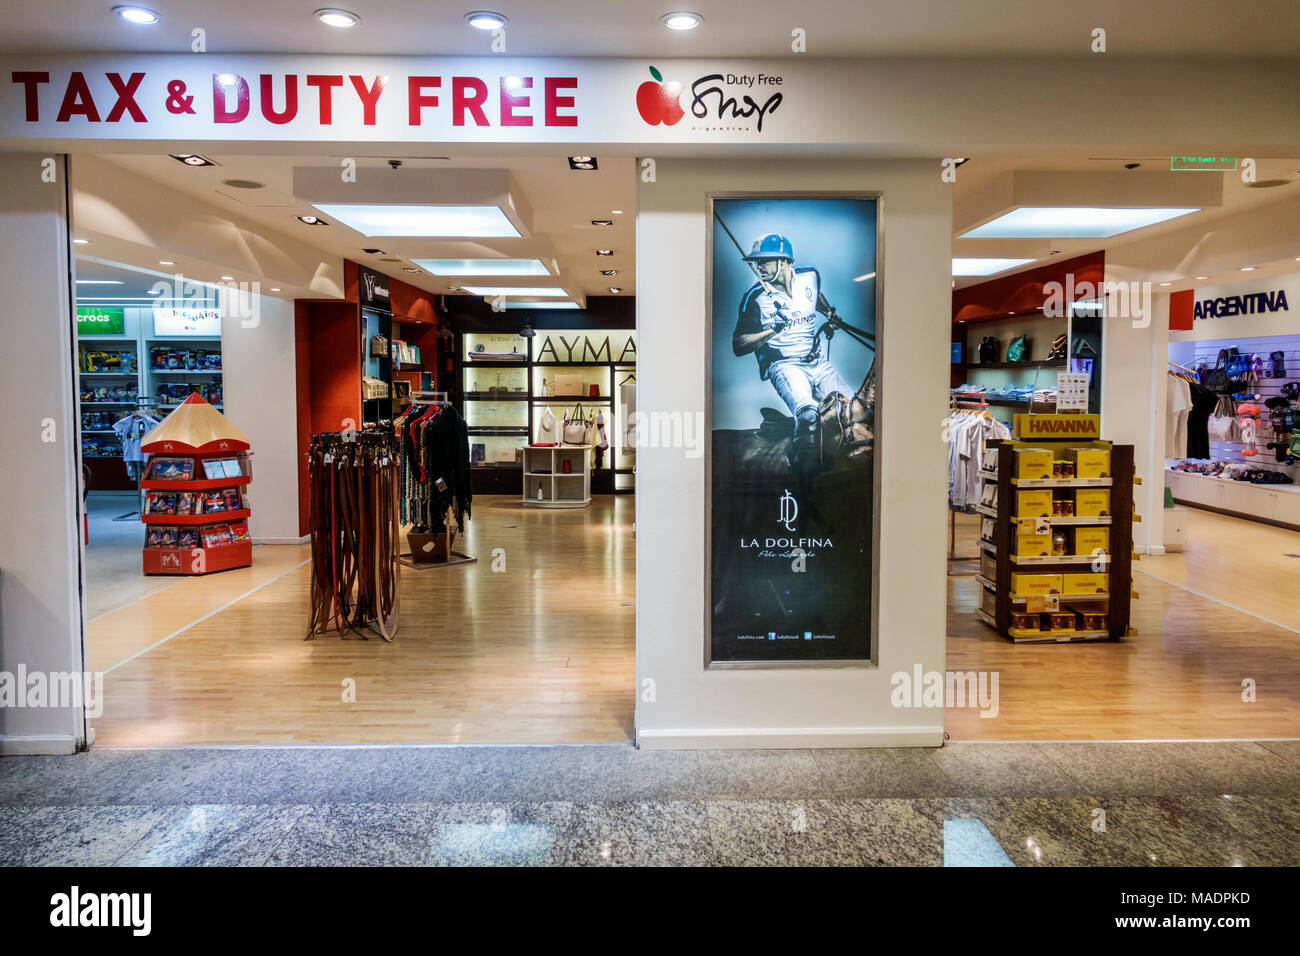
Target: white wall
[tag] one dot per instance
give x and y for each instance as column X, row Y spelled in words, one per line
column 40, row 575
column 796, row 707
column 261, row 398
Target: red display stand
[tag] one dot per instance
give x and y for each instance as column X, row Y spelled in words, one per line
column 198, row 432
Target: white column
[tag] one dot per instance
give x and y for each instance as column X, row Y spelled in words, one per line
column 41, row 627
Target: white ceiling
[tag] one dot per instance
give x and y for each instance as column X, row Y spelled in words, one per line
column 1214, row 28
column 564, row 202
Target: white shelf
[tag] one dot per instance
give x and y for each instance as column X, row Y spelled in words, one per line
column 556, row 493
column 1033, row 559
column 185, row 371
column 1061, row 482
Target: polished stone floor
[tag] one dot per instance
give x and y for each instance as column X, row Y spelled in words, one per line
column 1091, row 804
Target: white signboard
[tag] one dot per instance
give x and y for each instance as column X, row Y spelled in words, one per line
column 176, row 322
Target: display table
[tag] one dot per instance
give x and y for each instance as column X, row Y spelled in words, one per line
column 1271, row 504
column 546, row 482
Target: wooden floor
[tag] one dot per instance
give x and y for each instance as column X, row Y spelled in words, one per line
column 1180, row 677
column 542, row 652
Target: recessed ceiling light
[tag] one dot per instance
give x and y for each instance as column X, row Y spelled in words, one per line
column 1080, row 222
column 583, row 162
column 615, row 291
column 984, row 267
column 609, row 272
column 1166, row 283
column 275, row 288
column 373, row 252
column 82, row 242
column 243, row 183
column 602, row 222
column 136, row 14
column 485, row 20
column 99, row 282
column 155, row 292
column 617, row 212
column 1247, row 268
column 165, row 262
column 604, row 252
column 681, row 20
column 227, row 278
column 334, row 17
column 474, row 222
column 409, row 269
column 484, row 267
column 192, row 159
column 542, row 305
column 1202, row 277
column 313, row 220
column 494, row 290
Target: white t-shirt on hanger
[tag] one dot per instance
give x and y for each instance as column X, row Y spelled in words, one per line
column 1178, row 402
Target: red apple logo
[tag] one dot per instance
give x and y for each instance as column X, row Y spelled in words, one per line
column 658, row 102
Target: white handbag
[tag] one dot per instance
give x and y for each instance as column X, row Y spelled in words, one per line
column 547, row 429
column 577, row 429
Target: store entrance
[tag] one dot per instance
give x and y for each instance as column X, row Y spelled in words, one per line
column 420, row 437
column 1106, row 574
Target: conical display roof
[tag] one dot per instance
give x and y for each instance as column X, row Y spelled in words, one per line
column 192, row 428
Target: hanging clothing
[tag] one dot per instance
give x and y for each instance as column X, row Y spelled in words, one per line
column 1178, row 402
column 1204, row 402
column 968, row 435
column 435, row 473
column 131, row 430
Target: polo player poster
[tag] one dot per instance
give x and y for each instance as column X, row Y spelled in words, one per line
column 793, row 362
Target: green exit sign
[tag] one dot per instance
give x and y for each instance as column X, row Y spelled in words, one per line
column 1217, row 164
column 91, row 321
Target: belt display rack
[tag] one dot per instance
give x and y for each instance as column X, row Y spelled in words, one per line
column 354, row 532
column 1047, row 572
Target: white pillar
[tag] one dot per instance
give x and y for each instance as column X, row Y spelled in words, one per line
column 41, row 628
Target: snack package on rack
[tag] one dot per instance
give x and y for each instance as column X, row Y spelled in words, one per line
column 153, row 536
column 216, row 536
column 238, row 531
column 188, row 538
column 171, row 469
column 170, row 537
column 213, row 501
column 186, row 502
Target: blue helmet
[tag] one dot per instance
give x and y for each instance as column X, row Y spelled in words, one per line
column 771, row 246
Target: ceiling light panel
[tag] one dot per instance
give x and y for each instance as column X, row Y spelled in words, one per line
column 1072, row 222
column 495, row 290
column 542, row 305
column 483, row 267
column 476, row 222
column 985, row 267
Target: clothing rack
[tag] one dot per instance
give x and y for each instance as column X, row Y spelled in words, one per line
column 973, row 401
column 434, row 482
column 141, row 404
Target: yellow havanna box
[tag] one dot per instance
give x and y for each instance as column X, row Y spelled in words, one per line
column 1088, row 540
column 1091, row 502
column 1036, row 503
column 1033, row 463
column 1085, row 583
column 1033, row 545
column 988, row 602
column 1090, row 462
column 1032, row 584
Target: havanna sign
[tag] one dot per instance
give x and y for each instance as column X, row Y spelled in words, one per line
column 1082, row 427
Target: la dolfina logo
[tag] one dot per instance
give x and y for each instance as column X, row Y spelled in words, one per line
column 659, row 101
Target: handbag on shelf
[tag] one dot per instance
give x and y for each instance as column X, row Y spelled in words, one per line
column 988, row 350
column 1222, row 425
column 568, row 384
column 577, row 429
column 1018, row 350
column 1058, row 348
